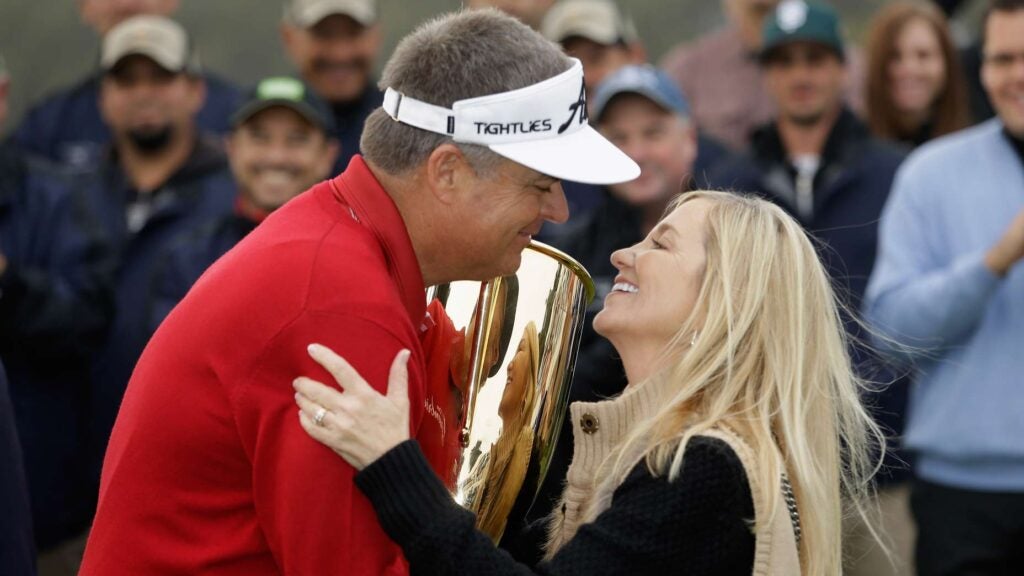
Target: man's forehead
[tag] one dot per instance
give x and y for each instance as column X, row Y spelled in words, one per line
column 800, row 47
column 1004, row 29
column 338, row 25
column 280, row 113
column 135, row 63
column 634, row 101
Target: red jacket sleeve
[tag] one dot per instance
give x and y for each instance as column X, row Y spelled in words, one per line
column 314, row 519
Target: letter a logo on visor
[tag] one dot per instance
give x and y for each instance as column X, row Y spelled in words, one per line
column 543, row 127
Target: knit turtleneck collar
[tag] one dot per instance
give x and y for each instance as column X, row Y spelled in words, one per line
column 598, row 427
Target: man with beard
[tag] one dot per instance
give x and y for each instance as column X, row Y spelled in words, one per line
column 819, row 162
column 161, row 177
column 334, row 44
column 282, row 143
column 68, row 128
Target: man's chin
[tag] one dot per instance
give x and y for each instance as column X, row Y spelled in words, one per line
column 507, row 266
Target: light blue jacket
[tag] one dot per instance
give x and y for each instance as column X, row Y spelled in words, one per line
column 952, row 200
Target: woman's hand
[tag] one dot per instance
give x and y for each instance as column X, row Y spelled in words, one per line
column 357, row 422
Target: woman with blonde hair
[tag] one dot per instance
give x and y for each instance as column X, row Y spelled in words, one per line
column 737, row 447
column 916, row 90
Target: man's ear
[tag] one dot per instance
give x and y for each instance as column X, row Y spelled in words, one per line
column 445, row 172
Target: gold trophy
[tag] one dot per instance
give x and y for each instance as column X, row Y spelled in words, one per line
column 522, row 335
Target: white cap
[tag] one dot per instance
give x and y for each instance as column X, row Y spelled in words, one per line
column 543, row 127
column 158, row 38
column 599, row 21
column 307, row 13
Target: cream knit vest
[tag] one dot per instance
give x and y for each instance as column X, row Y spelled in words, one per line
column 598, row 427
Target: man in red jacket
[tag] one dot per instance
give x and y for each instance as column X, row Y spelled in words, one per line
column 208, row 471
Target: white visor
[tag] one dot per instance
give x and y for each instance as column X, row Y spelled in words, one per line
column 543, row 127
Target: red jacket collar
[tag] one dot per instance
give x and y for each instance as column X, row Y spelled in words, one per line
column 371, row 205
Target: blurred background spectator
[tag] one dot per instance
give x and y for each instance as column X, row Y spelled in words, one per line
column 282, row 142
column 67, row 128
column 720, row 75
column 596, row 32
column 334, row 45
column 915, row 86
column 605, row 40
column 948, row 283
column 160, row 176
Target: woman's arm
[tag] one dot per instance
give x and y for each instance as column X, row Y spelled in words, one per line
column 697, row 524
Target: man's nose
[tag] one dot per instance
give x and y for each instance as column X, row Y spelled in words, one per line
column 556, row 207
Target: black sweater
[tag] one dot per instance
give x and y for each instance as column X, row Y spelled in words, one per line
column 698, row 524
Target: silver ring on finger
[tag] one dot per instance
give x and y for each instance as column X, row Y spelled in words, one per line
column 318, row 418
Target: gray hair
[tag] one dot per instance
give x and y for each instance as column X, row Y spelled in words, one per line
column 454, row 57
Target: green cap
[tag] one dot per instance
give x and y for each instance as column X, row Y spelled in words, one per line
column 285, row 92
column 800, row 21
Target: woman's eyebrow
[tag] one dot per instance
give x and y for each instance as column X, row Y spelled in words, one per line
column 666, row 229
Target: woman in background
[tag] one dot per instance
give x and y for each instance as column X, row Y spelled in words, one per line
column 915, row 87
column 732, row 451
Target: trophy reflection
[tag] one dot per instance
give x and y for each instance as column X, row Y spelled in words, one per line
column 505, row 465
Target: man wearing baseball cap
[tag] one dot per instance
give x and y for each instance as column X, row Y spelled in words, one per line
column 334, row 44
column 67, row 126
column 820, row 163
column 281, row 144
column 481, row 119
column 597, row 33
column 719, row 73
column 159, row 177
column 605, row 40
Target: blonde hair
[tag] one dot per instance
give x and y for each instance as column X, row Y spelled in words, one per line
column 771, row 363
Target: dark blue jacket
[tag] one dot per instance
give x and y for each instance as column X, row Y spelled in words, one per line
column 349, row 119
column 189, row 255
column 17, row 550
column 202, row 189
column 850, row 190
column 55, row 303
column 67, row 127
